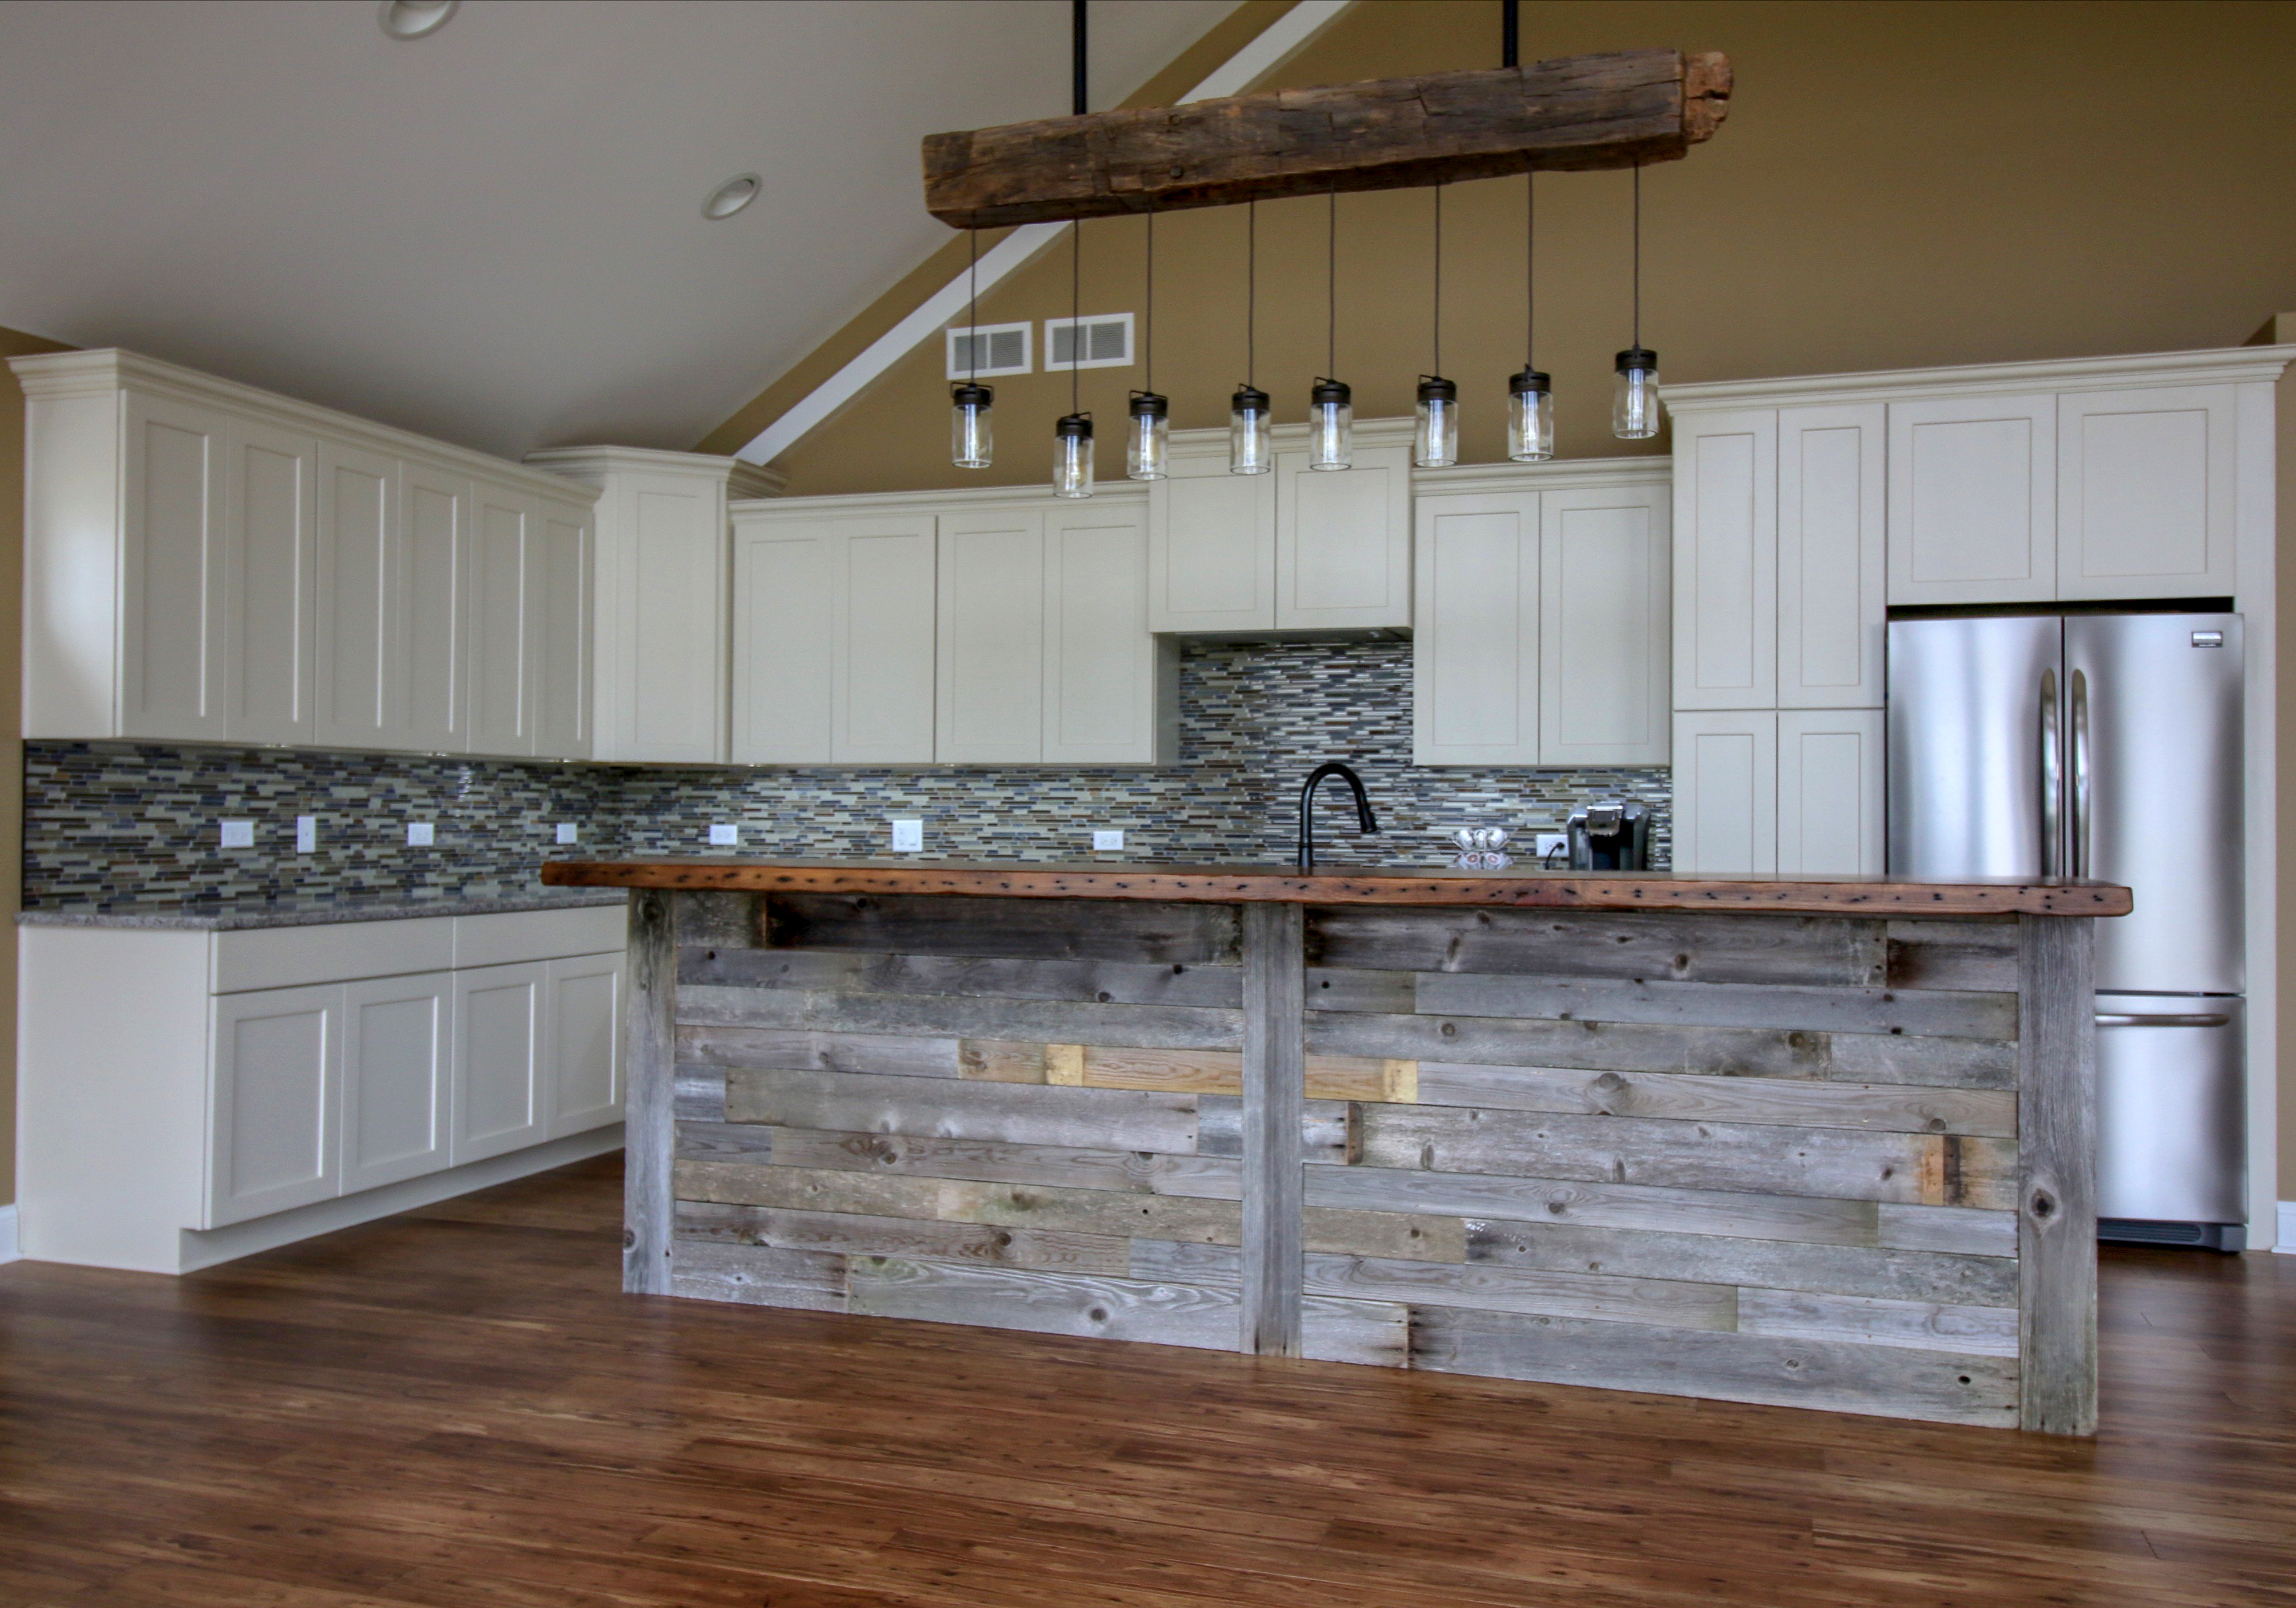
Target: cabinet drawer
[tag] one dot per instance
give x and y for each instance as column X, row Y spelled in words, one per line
column 522, row 935
column 284, row 957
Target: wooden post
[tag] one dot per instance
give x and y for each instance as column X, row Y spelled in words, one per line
column 2056, row 1186
column 1274, row 1085
column 650, row 1080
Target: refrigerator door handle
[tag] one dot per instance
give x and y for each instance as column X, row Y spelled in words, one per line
column 2196, row 1019
column 2052, row 767
column 2080, row 855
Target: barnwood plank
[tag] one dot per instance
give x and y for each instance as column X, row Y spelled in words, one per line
column 2056, row 1191
column 1147, row 1173
column 758, row 1276
column 1953, row 954
column 1942, row 1387
column 697, row 1094
column 1387, row 1234
column 1275, row 1080
column 1892, row 1108
column 953, row 1200
column 1941, row 1063
column 847, row 1234
column 1928, row 1015
column 1970, row 1280
column 650, row 1093
column 1102, row 981
column 1614, row 110
column 1326, row 1132
column 1838, row 1163
column 1772, row 950
column 1337, row 988
column 725, row 1141
column 1221, row 1072
column 933, row 1108
column 1013, row 1061
column 1086, row 929
column 1868, row 1320
column 798, row 1050
column 720, row 919
column 1964, row 1229
column 940, row 1015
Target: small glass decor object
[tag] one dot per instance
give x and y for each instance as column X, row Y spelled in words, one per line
column 1147, row 436
column 1436, row 439
column 1331, row 426
column 1072, row 455
column 1634, row 395
column 972, row 439
column 1250, row 433
column 1481, row 849
column 1530, row 418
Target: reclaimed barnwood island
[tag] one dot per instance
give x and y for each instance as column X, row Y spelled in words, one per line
column 1821, row 1143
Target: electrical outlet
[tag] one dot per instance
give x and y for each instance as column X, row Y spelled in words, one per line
column 1102, row 841
column 1552, row 842
column 567, row 833
column 239, row 834
column 908, row 837
column 421, row 834
column 306, row 834
column 724, row 836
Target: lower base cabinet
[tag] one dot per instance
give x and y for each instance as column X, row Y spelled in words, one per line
column 1794, row 792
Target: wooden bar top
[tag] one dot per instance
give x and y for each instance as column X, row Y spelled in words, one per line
column 1356, row 885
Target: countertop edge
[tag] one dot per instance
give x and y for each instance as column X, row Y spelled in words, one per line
column 164, row 918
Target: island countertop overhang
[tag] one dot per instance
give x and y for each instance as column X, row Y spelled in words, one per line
column 1348, row 885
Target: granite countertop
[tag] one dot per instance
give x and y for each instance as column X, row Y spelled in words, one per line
column 233, row 915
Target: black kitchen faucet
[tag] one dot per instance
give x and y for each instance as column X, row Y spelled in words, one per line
column 1364, row 818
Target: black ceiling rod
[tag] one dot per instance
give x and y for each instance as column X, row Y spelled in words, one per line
column 1510, row 32
column 1077, row 11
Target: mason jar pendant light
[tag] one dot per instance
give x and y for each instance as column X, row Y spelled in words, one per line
column 1530, row 394
column 1150, row 430
column 1073, row 434
column 1435, row 442
column 1330, row 406
column 1251, row 422
column 971, row 441
column 1634, row 391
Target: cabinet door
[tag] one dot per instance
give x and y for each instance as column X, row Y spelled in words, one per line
column 271, row 576
column 1343, row 541
column 1830, row 793
column 1474, row 644
column 560, row 591
column 427, row 642
column 585, row 1043
column 173, row 670
column 1726, row 561
column 1973, row 499
column 1831, row 561
column 1725, row 800
column 1105, row 702
column 1212, row 549
column 1603, row 580
column 397, row 1059
column 501, row 1096
column 663, row 590
column 362, row 581
column 991, row 684
column 785, row 597
column 274, row 1114
column 881, row 659
column 501, row 654
column 2144, row 483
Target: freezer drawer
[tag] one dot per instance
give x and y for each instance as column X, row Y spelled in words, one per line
column 2170, row 1122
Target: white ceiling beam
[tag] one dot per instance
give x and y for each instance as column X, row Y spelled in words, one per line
column 1268, row 50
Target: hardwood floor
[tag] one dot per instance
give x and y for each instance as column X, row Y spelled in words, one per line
column 459, row 1408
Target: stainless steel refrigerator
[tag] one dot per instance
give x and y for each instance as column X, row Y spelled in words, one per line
column 2107, row 746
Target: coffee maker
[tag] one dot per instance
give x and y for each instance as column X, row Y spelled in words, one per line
column 1613, row 836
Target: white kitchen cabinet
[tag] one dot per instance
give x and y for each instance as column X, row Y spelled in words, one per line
column 1474, row 646
column 1211, row 542
column 1725, row 776
column 271, row 552
column 500, row 1060
column 1831, row 555
column 990, row 682
column 362, row 580
column 1109, row 690
column 584, row 1041
column 529, row 656
column 563, row 587
column 1343, row 540
column 274, row 1123
column 1972, row 499
column 1829, row 791
column 1604, row 586
column 424, row 649
column 1725, row 560
column 398, row 1066
column 172, row 673
column 2146, row 490
column 881, row 643
column 784, row 591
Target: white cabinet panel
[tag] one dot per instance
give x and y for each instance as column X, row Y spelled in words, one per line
column 1726, row 806
column 1211, row 548
column 1829, row 794
column 504, row 525
column 397, row 1064
column 669, row 592
column 270, row 569
column 173, row 670
column 274, row 1116
column 2145, row 488
column 585, row 1044
column 1474, row 648
column 991, row 684
column 1343, row 541
column 560, row 637
column 1725, row 560
column 427, row 637
column 784, row 600
column 882, row 645
column 1831, row 567
column 1103, row 701
column 1973, row 499
column 500, row 1092
column 1603, row 627
column 362, row 584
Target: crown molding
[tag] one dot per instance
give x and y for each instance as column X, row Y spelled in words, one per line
column 1041, row 497
column 2215, row 365
column 1555, row 474
column 591, row 464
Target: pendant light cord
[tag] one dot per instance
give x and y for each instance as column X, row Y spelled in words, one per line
column 1530, row 270
column 1251, row 295
column 1148, row 331
column 972, row 335
column 1438, row 280
column 1076, row 306
column 1638, row 256
column 1331, row 288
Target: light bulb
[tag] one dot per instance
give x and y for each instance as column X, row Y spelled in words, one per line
column 1331, row 426
column 1072, row 455
column 1146, row 436
column 1530, row 418
column 1634, row 395
column 1250, row 433
column 1435, row 444
column 972, row 441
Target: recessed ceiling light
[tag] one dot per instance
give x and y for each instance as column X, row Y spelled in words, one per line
column 414, row 18
column 732, row 196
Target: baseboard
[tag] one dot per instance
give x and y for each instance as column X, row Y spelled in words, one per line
column 9, row 1253
column 2285, row 1239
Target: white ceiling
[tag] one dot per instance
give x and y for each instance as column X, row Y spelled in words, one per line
column 494, row 234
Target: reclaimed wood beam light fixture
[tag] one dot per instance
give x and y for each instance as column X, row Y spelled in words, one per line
column 1621, row 109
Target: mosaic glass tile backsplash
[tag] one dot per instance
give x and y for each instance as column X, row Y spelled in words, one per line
column 118, row 822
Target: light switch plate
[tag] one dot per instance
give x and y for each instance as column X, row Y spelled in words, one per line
column 1552, row 842
column 421, row 834
column 306, row 834
column 1105, row 840
column 239, row 834
column 725, row 836
column 567, row 833
column 908, row 837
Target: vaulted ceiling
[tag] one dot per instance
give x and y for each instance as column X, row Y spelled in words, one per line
column 494, row 234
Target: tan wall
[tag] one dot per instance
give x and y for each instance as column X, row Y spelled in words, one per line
column 12, row 344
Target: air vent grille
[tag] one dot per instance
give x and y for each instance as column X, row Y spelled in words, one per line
column 1107, row 341
column 988, row 349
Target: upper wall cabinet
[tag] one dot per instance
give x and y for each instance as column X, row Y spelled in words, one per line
column 1726, row 491
column 662, row 645
column 1831, row 557
column 1973, row 499
column 2146, row 491
column 205, row 562
column 1295, row 550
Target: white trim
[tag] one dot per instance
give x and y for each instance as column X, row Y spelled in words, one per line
column 968, row 497
column 2256, row 596
column 592, row 464
column 1274, row 45
column 1052, row 366
column 9, row 1253
column 1554, row 474
column 2286, row 1242
column 2213, row 366
column 956, row 332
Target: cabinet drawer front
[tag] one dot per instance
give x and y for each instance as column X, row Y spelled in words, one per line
column 280, row 957
column 522, row 935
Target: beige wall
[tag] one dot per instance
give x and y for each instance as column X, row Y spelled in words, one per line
column 12, row 344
